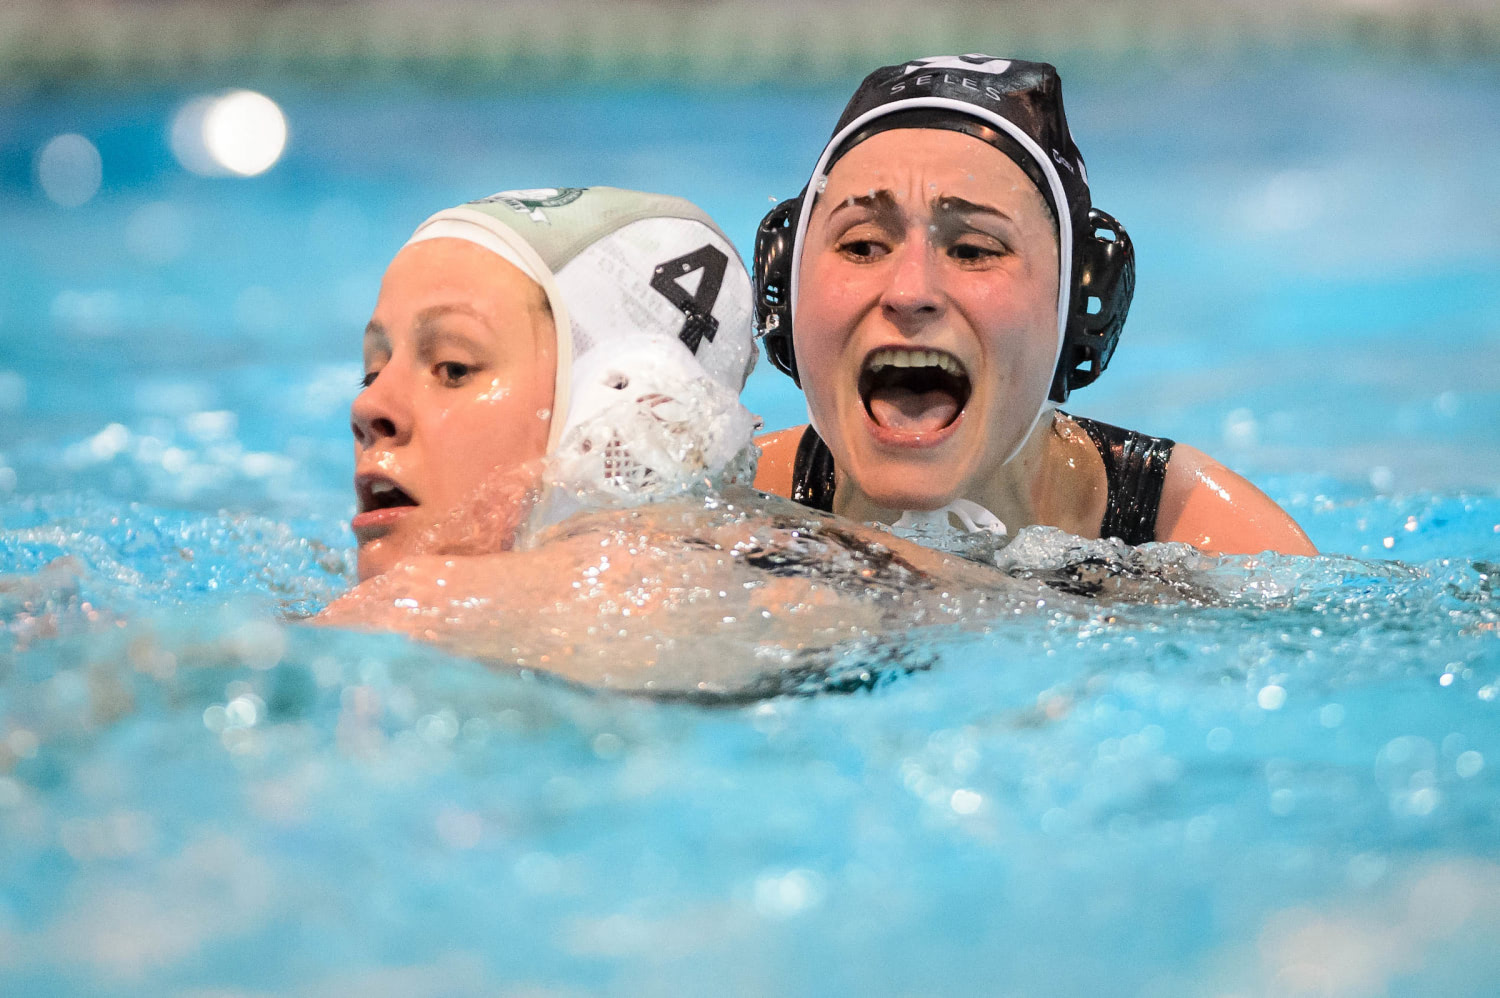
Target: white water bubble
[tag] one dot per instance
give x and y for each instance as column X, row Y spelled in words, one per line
column 69, row 170
column 1219, row 739
column 1331, row 715
column 206, row 427
column 438, row 729
column 788, row 894
column 157, row 233
column 965, row 801
column 238, row 133
column 243, row 711
column 109, row 442
column 259, row 644
column 1271, row 697
column 1382, row 478
column 1406, row 768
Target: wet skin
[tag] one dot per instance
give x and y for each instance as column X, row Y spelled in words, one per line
column 926, row 240
column 931, row 249
column 459, row 361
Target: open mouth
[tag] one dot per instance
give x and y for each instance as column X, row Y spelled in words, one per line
column 913, row 391
column 382, row 493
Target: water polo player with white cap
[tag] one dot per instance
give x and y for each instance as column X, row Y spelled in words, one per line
column 542, row 353
column 942, row 282
column 607, row 331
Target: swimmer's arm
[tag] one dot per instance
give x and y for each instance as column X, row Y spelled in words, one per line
column 1210, row 507
column 778, row 456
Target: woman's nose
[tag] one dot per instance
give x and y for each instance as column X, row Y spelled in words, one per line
column 381, row 414
column 914, row 292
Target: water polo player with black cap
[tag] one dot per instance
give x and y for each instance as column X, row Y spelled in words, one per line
column 940, row 284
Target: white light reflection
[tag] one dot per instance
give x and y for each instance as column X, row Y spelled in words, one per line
column 69, row 170
column 239, row 133
column 788, row 894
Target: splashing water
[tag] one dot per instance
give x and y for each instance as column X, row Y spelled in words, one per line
column 1295, row 762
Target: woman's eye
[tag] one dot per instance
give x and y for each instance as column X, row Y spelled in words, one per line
column 368, row 379
column 969, row 252
column 862, row 249
column 452, row 373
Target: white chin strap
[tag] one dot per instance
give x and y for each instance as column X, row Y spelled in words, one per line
column 974, row 517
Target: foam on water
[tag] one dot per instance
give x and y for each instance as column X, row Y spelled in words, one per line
column 1282, row 782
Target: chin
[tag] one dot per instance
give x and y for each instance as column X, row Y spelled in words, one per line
column 902, row 486
column 375, row 558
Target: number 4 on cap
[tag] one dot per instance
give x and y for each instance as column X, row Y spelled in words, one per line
column 698, row 306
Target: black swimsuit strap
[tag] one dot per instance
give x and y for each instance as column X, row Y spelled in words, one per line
column 1135, row 469
column 812, row 472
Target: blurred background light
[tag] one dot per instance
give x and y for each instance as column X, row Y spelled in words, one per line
column 238, row 133
column 157, row 232
column 69, row 170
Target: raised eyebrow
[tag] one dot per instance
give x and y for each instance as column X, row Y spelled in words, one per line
column 882, row 202
column 949, row 204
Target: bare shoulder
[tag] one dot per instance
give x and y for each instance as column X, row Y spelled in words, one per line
column 1219, row 511
column 778, row 458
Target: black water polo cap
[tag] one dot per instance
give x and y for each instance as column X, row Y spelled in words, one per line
column 1026, row 94
column 1017, row 107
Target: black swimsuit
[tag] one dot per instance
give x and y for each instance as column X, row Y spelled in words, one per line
column 1135, row 468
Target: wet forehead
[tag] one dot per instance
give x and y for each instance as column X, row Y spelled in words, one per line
column 445, row 289
column 935, row 167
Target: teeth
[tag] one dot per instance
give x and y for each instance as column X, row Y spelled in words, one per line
column 379, row 488
column 915, row 358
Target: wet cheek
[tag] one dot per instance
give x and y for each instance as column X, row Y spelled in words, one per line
column 495, row 391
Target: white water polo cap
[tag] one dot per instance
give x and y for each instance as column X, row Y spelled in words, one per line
column 652, row 307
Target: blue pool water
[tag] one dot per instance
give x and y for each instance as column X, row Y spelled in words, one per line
column 1290, row 790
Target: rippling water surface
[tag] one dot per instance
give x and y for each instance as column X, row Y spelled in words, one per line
column 1247, row 777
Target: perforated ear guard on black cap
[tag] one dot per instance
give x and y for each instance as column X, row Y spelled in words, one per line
column 1103, row 283
column 772, row 277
